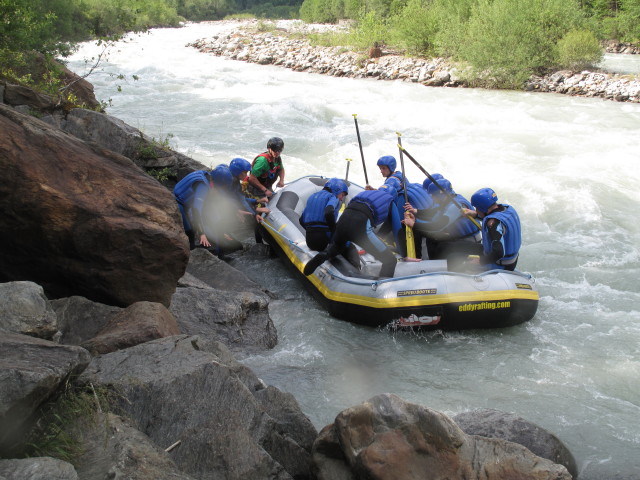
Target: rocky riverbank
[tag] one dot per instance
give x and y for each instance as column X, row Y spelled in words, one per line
column 123, row 343
column 280, row 48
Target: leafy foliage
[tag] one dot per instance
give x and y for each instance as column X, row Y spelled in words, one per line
column 578, row 49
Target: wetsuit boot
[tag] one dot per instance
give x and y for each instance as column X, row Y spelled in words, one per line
column 314, row 263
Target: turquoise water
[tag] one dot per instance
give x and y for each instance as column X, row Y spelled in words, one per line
column 569, row 166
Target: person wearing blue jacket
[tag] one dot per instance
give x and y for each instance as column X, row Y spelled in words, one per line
column 193, row 195
column 321, row 213
column 365, row 211
column 501, row 231
column 417, row 198
column 447, row 229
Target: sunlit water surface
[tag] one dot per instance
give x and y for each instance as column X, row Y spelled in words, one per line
column 569, row 165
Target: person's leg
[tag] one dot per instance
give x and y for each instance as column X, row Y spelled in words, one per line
column 346, row 224
column 368, row 240
column 317, row 239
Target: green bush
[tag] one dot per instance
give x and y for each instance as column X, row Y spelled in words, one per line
column 578, row 50
column 370, row 29
column 415, row 28
column 509, row 40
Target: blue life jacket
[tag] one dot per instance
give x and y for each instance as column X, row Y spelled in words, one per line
column 378, row 202
column 313, row 214
column 418, row 196
column 458, row 225
column 184, row 190
column 511, row 237
column 397, row 174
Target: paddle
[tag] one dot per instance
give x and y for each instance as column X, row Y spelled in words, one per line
column 451, row 197
column 364, row 167
column 411, row 246
column 346, row 176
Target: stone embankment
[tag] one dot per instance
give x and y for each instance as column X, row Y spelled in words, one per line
column 296, row 53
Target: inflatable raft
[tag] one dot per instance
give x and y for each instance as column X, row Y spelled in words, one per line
column 421, row 294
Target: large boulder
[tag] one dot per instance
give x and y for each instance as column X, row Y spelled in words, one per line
column 226, row 422
column 491, row 423
column 136, row 324
column 113, row 448
column 80, row 319
column 81, row 220
column 24, row 309
column 219, row 303
column 31, row 370
column 388, row 438
column 37, row 468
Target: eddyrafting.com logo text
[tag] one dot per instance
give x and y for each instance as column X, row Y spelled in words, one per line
column 472, row 307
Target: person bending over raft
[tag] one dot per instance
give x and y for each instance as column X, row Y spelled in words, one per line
column 266, row 169
column 501, row 231
column 447, row 229
column 192, row 194
column 365, row 211
column 387, row 165
column 321, row 213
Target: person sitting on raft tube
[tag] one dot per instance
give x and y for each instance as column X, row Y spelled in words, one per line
column 501, row 230
column 447, row 229
column 240, row 168
column 387, row 165
column 321, row 213
column 266, row 169
column 192, row 194
column 365, row 211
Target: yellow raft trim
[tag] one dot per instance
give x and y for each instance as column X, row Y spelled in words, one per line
column 408, row 301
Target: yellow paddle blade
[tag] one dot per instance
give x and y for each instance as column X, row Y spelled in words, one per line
column 411, row 245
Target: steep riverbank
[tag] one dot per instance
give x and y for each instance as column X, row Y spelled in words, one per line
column 288, row 47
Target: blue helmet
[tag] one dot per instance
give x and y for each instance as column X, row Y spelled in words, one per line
column 337, row 186
column 221, row 176
column 388, row 161
column 391, row 189
column 483, row 199
column 433, row 189
column 239, row 165
column 427, row 181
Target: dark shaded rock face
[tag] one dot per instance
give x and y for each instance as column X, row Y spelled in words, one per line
column 227, row 423
column 81, row 220
column 31, row 370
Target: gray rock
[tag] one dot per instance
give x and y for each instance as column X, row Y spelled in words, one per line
column 218, row 274
column 186, row 389
column 31, row 370
column 113, row 448
column 491, row 423
column 241, row 321
column 37, row 468
column 80, row 319
column 24, row 309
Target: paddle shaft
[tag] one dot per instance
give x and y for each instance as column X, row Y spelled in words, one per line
column 404, row 179
column 364, row 167
column 411, row 246
column 451, row 197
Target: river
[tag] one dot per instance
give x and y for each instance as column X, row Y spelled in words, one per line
column 569, row 166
